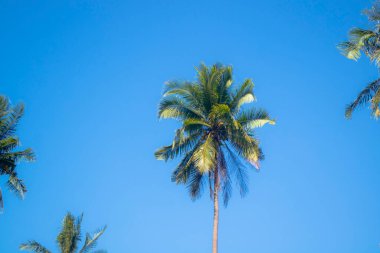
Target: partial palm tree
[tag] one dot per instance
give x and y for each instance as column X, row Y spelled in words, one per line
column 216, row 141
column 10, row 156
column 69, row 238
column 365, row 41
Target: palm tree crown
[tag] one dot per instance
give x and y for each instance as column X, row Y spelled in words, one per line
column 9, row 158
column 216, row 140
column 215, row 132
column 69, row 238
column 365, row 41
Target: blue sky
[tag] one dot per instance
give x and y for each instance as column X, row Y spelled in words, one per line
column 91, row 75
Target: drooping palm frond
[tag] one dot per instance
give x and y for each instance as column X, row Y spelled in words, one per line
column 16, row 185
column 34, row 247
column 212, row 116
column 368, row 95
column 69, row 237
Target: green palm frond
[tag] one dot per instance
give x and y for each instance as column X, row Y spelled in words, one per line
column 178, row 147
column 243, row 95
column 195, row 183
column 176, row 108
column 238, row 168
column 364, row 97
column 184, row 169
column 253, row 118
column 34, row 247
column 204, row 156
column 16, row 185
column 224, row 175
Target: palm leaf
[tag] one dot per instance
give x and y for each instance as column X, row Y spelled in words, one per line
column 91, row 240
column 34, row 247
column 363, row 98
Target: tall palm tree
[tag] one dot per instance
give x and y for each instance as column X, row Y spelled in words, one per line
column 69, row 238
column 9, row 156
column 365, row 41
column 216, row 140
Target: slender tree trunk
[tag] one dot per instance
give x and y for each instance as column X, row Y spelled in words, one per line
column 216, row 213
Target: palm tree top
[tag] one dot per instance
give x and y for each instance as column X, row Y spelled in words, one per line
column 365, row 41
column 216, row 131
column 69, row 238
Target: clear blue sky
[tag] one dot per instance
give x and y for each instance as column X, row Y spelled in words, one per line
column 91, row 75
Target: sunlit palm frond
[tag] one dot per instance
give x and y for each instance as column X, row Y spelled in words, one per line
column 243, row 95
column 253, row 118
column 91, row 240
column 9, row 121
column 359, row 40
column 176, row 108
column 204, row 156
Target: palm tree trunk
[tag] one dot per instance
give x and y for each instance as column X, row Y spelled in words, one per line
column 216, row 213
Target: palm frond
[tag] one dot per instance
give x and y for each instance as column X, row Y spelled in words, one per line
column 9, row 122
column 16, row 185
column 204, row 156
column 91, row 240
column 195, row 183
column 243, row 95
column 363, row 98
column 176, row 108
column 238, row 168
column 224, row 176
column 34, row 247
column 178, row 147
column 253, row 118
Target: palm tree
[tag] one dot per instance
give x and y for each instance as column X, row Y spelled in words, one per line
column 69, row 238
column 365, row 41
column 216, row 140
column 9, row 158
